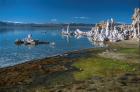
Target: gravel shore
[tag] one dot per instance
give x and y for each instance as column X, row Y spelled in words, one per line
column 55, row 74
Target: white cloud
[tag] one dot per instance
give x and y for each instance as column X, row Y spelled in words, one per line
column 81, row 17
column 53, row 20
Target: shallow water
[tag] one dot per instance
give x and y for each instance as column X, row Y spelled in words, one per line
column 11, row 54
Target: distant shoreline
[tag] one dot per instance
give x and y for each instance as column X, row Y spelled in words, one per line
column 45, row 25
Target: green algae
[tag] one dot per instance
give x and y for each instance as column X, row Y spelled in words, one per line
column 129, row 50
column 108, row 67
column 103, row 67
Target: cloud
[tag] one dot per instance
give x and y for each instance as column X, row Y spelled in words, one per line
column 53, row 20
column 82, row 17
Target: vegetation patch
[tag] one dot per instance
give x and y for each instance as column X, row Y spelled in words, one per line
column 129, row 50
column 103, row 67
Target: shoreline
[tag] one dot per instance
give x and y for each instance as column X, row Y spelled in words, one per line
column 26, row 74
column 22, row 74
column 65, row 54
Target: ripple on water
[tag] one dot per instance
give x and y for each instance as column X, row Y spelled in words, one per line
column 10, row 54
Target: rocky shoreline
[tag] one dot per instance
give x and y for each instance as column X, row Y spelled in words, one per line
column 128, row 82
column 55, row 74
column 22, row 74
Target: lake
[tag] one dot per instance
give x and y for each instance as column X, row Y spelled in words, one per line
column 11, row 54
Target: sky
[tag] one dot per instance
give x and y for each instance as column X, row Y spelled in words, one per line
column 67, row 11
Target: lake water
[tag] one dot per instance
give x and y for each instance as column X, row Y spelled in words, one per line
column 11, row 54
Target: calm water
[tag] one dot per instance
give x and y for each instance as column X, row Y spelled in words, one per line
column 11, row 54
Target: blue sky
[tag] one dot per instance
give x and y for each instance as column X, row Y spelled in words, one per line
column 65, row 11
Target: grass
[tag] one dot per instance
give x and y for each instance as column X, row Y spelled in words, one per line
column 98, row 66
column 132, row 54
column 129, row 50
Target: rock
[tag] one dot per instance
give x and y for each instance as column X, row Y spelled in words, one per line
column 135, row 80
column 59, row 90
column 28, row 81
column 54, row 68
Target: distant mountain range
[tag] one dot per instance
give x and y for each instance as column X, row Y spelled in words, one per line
column 47, row 25
column 55, row 25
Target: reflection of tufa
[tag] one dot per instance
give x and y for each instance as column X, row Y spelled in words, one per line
column 67, row 32
column 52, row 43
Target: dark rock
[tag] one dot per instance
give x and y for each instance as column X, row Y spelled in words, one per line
column 123, row 83
column 123, row 78
column 135, row 80
column 59, row 90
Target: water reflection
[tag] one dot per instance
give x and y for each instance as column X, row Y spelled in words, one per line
column 12, row 54
column 67, row 37
column 96, row 44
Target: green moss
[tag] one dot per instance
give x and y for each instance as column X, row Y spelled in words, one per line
column 132, row 54
column 97, row 66
column 38, row 89
column 129, row 50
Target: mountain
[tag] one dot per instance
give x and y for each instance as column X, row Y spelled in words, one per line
column 48, row 25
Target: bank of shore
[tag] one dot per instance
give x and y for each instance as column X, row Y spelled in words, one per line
column 111, row 69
